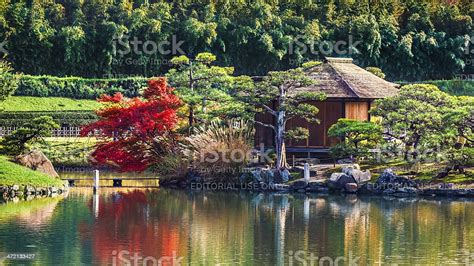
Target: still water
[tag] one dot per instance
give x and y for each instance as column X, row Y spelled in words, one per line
column 229, row 228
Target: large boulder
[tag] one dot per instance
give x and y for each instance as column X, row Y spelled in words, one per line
column 299, row 184
column 268, row 176
column 351, row 187
column 361, row 176
column 389, row 180
column 348, row 169
column 36, row 160
column 339, row 180
column 281, row 176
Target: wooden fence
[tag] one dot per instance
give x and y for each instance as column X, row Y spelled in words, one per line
column 71, row 132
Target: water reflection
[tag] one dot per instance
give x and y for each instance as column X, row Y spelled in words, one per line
column 32, row 213
column 245, row 228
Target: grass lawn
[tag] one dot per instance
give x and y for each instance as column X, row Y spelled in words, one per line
column 14, row 174
column 27, row 103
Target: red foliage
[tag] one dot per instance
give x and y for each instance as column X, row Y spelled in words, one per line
column 135, row 131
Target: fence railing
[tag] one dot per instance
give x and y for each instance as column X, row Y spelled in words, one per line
column 70, row 132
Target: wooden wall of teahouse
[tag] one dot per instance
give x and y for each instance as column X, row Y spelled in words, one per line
column 357, row 111
column 329, row 112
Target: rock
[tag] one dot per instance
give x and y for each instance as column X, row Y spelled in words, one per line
column 348, row 169
column 281, row 176
column 340, row 181
column 360, row 176
column 446, row 186
column 192, row 177
column 344, row 161
column 408, row 190
column 388, row 180
column 335, row 176
column 36, row 160
column 317, row 189
column 299, row 184
column 317, row 183
column 173, row 182
column 389, row 191
column 257, row 175
column 41, row 191
column 182, row 184
column 367, row 189
column 15, row 187
column 29, row 197
column 351, row 187
column 281, row 187
column 268, row 176
column 29, row 190
column 246, row 178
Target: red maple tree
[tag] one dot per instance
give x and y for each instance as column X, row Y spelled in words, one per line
column 136, row 132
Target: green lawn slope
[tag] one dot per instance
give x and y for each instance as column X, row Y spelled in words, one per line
column 27, row 103
column 14, row 174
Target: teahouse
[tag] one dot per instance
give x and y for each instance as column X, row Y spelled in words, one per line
column 351, row 91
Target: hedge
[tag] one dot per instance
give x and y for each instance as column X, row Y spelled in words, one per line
column 455, row 87
column 78, row 88
column 70, row 118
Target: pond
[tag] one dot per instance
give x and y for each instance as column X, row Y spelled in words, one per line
column 228, row 228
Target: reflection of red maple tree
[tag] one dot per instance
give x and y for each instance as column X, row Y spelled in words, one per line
column 123, row 223
column 136, row 131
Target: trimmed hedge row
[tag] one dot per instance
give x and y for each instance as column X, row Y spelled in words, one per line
column 457, row 87
column 70, row 118
column 78, row 88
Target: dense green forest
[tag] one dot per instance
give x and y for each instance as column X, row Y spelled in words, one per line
column 409, row 39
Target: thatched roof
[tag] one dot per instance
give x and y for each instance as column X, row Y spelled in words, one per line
column 341, row 78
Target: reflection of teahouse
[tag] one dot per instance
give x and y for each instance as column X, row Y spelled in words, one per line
column 350, row 91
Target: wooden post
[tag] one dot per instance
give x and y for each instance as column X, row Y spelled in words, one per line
column 306, row 172
column 96, row 180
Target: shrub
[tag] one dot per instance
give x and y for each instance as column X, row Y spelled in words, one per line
column 457, row 87
column 376, row 71
column 173, row 165
column 8, row 81
column 356, row 137
column 220, row 150
column 78, row 88
column 28, row 134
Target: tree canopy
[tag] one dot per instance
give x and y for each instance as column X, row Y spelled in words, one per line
column 408, row 40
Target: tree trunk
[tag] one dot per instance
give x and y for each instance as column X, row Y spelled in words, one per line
column 280, row 141
column 191, row 116
column 191, row 87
